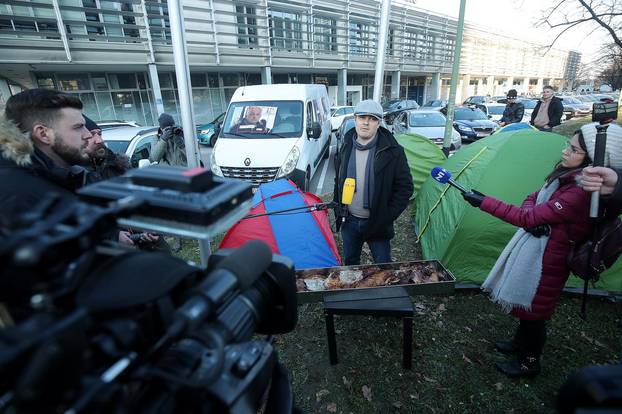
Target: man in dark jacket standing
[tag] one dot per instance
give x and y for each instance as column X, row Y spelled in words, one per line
column 383, row 185
column 42, row 142
column 514, row 111
column 548, row 111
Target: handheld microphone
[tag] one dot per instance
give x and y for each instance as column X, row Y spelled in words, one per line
column 348, row 191
column 443, row 176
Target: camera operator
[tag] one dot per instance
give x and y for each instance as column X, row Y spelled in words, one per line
column 43, row 139
column 169, row 147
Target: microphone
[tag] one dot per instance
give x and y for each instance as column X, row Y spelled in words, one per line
column 443, row 176
column 347, row 194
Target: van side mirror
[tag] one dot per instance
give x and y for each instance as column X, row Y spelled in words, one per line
column 314, row 131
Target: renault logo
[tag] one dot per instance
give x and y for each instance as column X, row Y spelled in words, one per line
column 247, row 162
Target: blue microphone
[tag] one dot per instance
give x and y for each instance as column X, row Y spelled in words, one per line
column 443, row 176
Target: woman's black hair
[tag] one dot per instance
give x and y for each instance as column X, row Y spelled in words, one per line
column 559, row 170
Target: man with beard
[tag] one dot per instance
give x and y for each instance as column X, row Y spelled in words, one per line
column 42, row 143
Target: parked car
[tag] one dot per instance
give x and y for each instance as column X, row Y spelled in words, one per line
column 477, row 99
column 337, row 115
column 428, row 123
column 494, row 111
column 574, row 107
column 346, row 125
column 115, row 123
column 529, row 105
column 135, row 142
column 394, row 107
column 274, row 131
column 208, row 133
column 436, row 104
column 472, row 123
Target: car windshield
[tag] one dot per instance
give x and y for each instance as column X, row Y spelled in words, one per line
column 468, row 114
column 496, row 110
column 435, row 119
column 118, row 147
column 435, row 103
column 571, row 100
column 264, row 119
column 390, row 104
column 529, row 103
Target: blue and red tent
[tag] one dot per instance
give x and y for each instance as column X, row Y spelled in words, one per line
column 303, row 236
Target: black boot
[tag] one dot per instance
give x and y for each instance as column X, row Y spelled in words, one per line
column 522, row 367
column 506, row 347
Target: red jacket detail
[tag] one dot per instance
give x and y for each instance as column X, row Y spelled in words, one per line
column 567, row 212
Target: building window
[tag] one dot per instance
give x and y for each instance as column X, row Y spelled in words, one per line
column 46, row 81
column 246, row 17
column 286, row 30
column 122, row 81
column 73, row 82
column 325, row 34
column 362, row 38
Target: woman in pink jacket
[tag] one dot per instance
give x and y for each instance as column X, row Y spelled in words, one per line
column 532, row 270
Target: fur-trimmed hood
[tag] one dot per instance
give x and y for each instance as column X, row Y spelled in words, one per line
column 15, row 145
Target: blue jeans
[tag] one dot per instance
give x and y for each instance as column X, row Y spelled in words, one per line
column 352, row 232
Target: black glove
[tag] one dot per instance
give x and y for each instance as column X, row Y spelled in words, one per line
column 539, row 230
column 474, row 197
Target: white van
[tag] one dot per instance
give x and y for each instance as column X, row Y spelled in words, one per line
column 274, row 131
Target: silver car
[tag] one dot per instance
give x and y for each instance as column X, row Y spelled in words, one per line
column 135, row 142
column 428, row 123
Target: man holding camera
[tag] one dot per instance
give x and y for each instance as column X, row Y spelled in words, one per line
column 43, row 141
column 169, row 147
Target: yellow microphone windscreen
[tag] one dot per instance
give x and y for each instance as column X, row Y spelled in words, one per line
column 348, row 191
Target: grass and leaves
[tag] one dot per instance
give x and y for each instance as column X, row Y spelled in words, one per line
column 453, row 358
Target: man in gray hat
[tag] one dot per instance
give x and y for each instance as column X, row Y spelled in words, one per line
column 383, row 184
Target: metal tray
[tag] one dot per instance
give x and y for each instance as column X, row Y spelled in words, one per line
column 331, row 279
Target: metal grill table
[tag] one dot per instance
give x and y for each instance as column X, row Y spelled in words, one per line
column 389, row 301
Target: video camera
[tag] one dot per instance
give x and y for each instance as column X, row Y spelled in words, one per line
column 89, row 326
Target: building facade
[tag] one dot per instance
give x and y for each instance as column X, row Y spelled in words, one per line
column 117, row 55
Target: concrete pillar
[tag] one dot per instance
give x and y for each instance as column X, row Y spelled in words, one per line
column 510, row 84
column 342, row 82
column 266, row 75
column 435, row 88
column 526, row 85
column 540, row 84
column 490, row 85
column 466, row 80
column 480, row 87
column 155, row 86
column 395, row 84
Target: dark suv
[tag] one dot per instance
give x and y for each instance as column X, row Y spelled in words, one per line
column 394, row 107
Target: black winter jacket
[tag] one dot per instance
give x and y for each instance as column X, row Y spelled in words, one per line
column 27, row 176
column 513, row 113
column 393, row 184
column 556, row 110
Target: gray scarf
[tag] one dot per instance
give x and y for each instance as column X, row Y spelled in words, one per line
column 368, row 191
column 514, row 279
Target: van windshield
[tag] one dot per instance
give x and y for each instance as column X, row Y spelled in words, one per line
column 264, row 119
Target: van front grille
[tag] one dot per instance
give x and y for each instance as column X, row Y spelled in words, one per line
column 255, row 176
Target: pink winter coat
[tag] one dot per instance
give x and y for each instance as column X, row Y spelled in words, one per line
column 567, row 212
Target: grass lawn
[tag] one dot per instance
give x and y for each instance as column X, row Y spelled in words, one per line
column 453, row 359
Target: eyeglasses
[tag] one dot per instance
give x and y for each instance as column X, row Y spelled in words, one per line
column 573, row 149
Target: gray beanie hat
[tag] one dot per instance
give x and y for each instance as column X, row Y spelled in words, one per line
column 613, row 151
column 165, row 120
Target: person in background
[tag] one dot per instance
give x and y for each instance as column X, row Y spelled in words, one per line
column 529, row 275
column 251, row 122
column 383, row 185
column 169, row 147
column 103, row 161
column 548, row 111
column 513, row 112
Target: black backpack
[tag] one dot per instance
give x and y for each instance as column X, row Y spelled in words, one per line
column 590, row 258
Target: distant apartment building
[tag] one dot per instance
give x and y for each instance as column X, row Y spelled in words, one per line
column 117, row 55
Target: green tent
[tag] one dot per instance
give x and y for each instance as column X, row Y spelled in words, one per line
column 508, row 166
column 422, row 155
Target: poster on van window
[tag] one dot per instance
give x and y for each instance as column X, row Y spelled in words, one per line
column 253, row 119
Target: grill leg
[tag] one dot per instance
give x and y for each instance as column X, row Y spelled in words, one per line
column 408, row 343
column 330, row 334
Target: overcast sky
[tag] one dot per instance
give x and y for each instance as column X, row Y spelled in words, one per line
column 517, row 18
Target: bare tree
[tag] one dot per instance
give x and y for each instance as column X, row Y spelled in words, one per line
column 590, row 15
column 612, row 73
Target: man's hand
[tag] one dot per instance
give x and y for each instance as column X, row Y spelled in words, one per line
column 599, row 179
column 124, row 238
column 474, row 197
column 539, row 230
column 501, row 124
column 149, row 237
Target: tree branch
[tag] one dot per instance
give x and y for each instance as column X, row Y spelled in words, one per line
column 616, row 39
